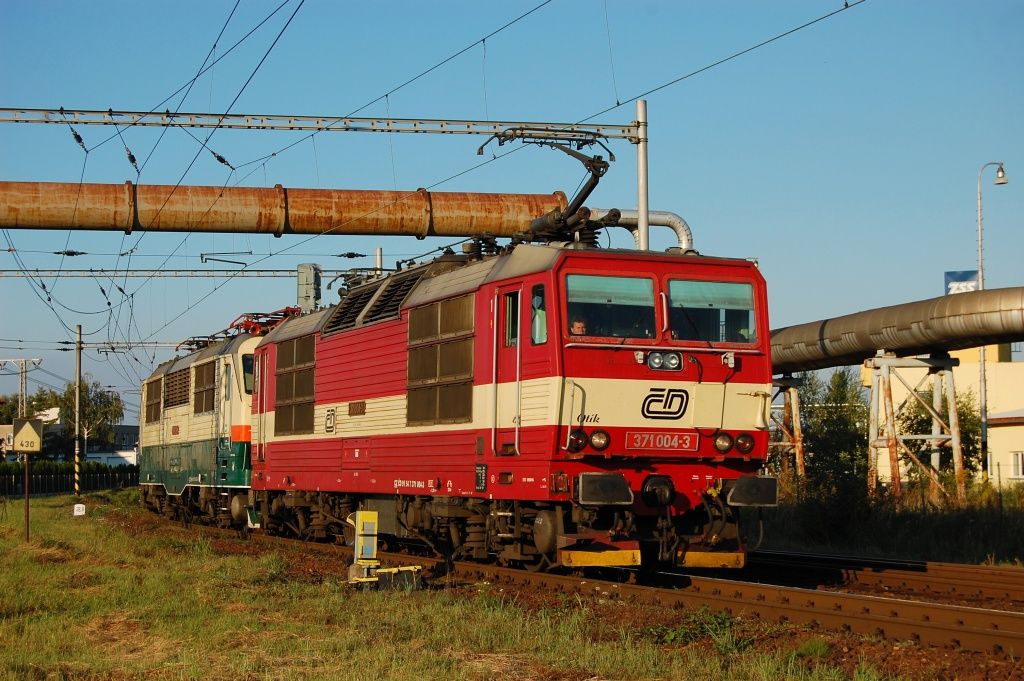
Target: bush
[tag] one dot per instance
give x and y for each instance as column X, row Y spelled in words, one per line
column 45, row 467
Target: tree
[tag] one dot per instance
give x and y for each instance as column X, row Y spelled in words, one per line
column 100, row 410
column 914, row 419
column 834, row 416
column 43, row 398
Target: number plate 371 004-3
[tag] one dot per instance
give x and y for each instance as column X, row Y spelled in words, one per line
column 686, row 442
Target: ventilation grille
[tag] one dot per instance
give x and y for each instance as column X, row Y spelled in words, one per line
column 387, row 305
column 347, row 311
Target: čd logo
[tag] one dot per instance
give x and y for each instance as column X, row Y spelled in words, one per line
column 665, row 403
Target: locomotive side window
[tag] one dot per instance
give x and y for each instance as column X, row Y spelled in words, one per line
column 153, row 393
column 293, row 405
column 620, row 307
column 440, row 368
column 247, row 373
column 511, row 319
column 712, row 311
column 538, row 316
column 202, row 400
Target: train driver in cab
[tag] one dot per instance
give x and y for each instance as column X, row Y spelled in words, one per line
column 578, row 326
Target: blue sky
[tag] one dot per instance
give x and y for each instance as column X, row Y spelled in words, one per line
column 844, row 157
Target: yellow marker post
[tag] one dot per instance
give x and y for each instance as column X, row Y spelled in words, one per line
column 28, row 439
column 365, row 568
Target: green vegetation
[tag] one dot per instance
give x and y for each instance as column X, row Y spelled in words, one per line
column 914, row 419
column 118, row 594
column 830, row 511
column 43, row 398
column 44, row 467
column 100, row 410
column 989, row 529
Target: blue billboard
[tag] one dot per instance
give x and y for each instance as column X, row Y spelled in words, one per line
column 961, row 282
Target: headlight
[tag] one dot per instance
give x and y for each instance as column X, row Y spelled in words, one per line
column 577, row 441
column 744, row 443
column 723, row 442
column 664, row 361
column 600, row 440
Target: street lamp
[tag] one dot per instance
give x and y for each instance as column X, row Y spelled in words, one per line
column 1000, row 179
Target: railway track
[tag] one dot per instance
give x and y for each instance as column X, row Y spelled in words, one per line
column 957, row 626
column 990, row 630
column 982, row 585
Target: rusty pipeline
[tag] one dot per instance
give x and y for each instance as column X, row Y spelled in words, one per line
column 277, row 210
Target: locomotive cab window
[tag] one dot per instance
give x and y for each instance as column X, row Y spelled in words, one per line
column 511, row 319
column 293, row 404
column 538, row 316
column 712, row 311
column 247, row 373
column 618, row 307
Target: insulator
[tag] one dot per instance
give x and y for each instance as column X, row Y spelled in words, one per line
column 587, row 235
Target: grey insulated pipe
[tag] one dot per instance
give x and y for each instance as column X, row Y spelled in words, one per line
column 631, row 218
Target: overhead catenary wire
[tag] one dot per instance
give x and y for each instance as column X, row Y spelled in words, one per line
column 846, row 6
column 611, row 58
column 157, row 144
column 205, row 142
column 633, row 99
column 188, row 84
column 195, row 78
column 651, row 91
column 336, row 227
column 79, row 140
column 395, row 89
column 384, row 96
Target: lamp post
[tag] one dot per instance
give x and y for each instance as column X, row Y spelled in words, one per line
column 985, row 456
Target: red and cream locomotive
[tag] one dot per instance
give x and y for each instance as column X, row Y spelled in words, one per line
column 549, row 405
column 540, row 404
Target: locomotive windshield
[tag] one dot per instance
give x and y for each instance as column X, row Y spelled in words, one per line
column 620, row 307
column 247, row 373
column 711, row 311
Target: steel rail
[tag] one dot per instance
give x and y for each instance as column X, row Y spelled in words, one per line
column 993, row 631
column 981, row 582
column 985, row 630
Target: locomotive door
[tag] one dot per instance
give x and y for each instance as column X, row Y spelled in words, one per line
column 259, row 420
column 508, row 365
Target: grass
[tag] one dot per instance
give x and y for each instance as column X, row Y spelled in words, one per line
column 115, row 596
column 989, row 529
